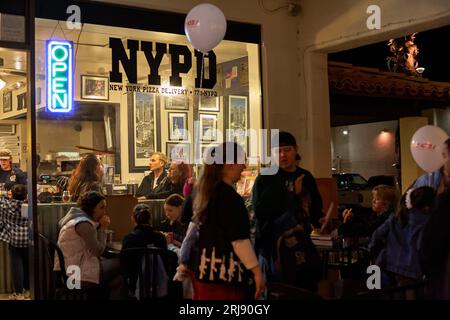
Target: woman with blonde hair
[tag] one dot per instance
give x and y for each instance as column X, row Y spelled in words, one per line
column 224, row 247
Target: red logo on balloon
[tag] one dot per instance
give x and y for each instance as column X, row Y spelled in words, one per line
column 424, row 145
column 191, row 23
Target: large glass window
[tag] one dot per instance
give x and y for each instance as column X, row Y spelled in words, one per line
column 134, row 92
column 125, row 108
column 13, row 162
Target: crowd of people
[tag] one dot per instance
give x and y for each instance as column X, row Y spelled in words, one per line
column 207, row 226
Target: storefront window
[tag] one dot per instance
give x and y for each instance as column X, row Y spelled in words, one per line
column 13, row 176
column 136, row 92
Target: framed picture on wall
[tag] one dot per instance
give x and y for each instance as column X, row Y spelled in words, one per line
column 178, row 151
column 203, row 147
column 178, row 129
column 94, row 87
column 208, row 127
column 237, row 120
column 22, row 101
column 210, row 104
column 141, row 130
column 7, row 101
column 176, row 102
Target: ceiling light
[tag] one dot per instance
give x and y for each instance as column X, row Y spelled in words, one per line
column 2, row 84
column 345, row 132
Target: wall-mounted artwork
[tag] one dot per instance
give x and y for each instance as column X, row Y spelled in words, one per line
column 176, row 102
column 7, row 101
column 94, row 87
column 22, row 101
column 210, row 104
column 178, row 128
column 179, row 152
column 141, row 130
column 208, row 127
column 237, row 120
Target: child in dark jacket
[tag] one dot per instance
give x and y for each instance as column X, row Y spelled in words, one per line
column 142, row 236
column 397, row 241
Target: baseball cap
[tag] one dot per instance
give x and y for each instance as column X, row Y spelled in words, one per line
column 284, row 139
column 5, row 154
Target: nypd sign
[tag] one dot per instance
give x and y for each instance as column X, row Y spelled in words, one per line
column 59, row 76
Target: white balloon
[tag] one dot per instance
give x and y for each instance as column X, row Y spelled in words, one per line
column 426, row 147
column 205, row 27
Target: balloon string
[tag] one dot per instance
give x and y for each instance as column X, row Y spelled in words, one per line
column 201, row 79
column 202, row 69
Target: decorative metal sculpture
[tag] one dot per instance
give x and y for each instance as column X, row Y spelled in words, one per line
column 404, row 53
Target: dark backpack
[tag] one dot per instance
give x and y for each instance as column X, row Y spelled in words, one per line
column 298, row 262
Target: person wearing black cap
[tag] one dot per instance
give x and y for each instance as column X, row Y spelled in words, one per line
column 284, row 199
column 10, row 175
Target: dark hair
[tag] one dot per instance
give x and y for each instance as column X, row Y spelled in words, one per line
column 141, row 213
column 89, row 200
column 183, row 171
column 19, row 192
column 447, row 143
column 174, row 200
column 284, row 139
column 85, row 177
column 421, row 199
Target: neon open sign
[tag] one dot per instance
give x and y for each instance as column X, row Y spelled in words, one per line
column 59, row 76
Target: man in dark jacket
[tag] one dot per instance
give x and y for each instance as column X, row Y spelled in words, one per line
column 157, row 180
column 284, row 199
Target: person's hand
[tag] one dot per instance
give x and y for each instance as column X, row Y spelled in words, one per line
column 298, row 184
column 182, row 273
column 169, row 237
column 104, row 222
column 260, row 282
column 347, row 214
